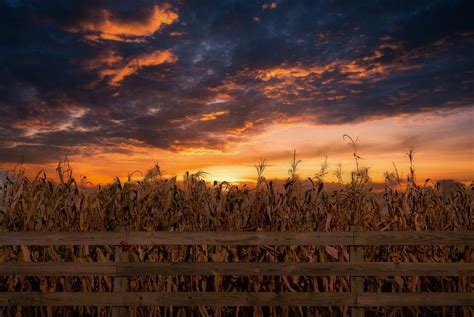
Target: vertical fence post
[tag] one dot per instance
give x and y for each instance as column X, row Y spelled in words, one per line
column 121, row 283
column 357, row 283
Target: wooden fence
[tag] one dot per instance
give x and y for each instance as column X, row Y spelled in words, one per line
column 357, row 269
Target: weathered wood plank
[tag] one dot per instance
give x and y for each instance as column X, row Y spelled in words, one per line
column 414, row 238
column 239, row 269
column 120, row 283
column 235, row 299
column 357, row 282
column 238, row 238
column 61, row 238
column 58, row 268
column 176, row 238
column 415, row 299
column 176, row 299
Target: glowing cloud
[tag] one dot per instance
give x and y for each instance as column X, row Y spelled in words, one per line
column 296, row 71
column 134, row 64
column 108, row 27
column 105, row 58
column 62, row 119
column 213, row 115
column 247, row 126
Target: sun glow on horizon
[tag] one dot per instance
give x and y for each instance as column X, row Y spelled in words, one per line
column 382, row 142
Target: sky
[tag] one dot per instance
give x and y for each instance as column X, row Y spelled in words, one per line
column 118, row 86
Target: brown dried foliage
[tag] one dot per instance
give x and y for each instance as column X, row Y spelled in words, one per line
column 160, row 204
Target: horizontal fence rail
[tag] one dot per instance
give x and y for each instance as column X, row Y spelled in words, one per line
column 235, row 299
column 238, row 238
column 357, row 269
column 238, row 269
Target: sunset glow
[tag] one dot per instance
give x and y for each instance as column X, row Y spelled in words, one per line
column 119, row 87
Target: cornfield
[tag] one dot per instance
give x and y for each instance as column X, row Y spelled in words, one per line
column 158, row 204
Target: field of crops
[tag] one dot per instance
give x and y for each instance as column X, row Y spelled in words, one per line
column 158, row 204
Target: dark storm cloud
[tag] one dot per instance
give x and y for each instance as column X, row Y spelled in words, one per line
column 79, row 75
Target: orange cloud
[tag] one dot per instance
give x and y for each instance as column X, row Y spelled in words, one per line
column 283, row 88
column 357, row 70
column 49, row 120
column 227, row 90
column 283, row 81
column 229, row 85
column 295, row 71
column 213, row 115
column 108, row 27
column 219, row 98
column 370, row 67
column 106, row 58
column 247, row 126
column 355, row 67
column 375, row 71
column 134, row 64
column 291, row 84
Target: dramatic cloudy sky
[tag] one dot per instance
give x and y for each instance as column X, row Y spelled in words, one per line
column 215, row 85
